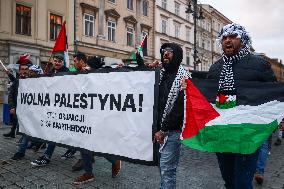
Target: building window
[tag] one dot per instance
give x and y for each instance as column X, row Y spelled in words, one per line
column 209, row 27
column 177, row 30
column 187, row 56
column 164, row 26
column 111, row 27
column 198, row 39
column 130, row 4
column 203, row 24
column 219, row 27
column 23, row 20
column 145, row 8
column 164, row 4
column 203, row 44
column 55, row 25
column 112, row 1
column 145, row 49
column 89, row 25
column 130, row 36
column 177, row 8
column 208, row 45
column 187, row 33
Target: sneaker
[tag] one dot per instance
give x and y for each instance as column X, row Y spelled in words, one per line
column 41, row 161
column 86, row 177
column 258, row 177
column 79, row 165
column 277, row 142
column 68, row 154
column 18, row 156
column 9, row 135
column 115, row 169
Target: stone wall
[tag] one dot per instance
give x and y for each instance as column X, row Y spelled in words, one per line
column 4, row 57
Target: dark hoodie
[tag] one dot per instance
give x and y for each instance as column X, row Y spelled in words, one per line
column 174, row 119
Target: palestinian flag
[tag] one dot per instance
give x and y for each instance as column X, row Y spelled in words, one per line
column 142, row 50
column 142, row 47
column 257, row 111
column 61, row 45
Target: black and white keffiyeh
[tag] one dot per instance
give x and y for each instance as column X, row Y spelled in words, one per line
column 175, row 89
column 226, row 80
column 36, row 68
column 235, row 29
column 226, row 96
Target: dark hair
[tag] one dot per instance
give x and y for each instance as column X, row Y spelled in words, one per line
column 28, row 65
column 95, row 62
column 59, row 56
column 80, row 56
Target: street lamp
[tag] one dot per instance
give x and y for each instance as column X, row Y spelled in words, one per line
column 196, row 15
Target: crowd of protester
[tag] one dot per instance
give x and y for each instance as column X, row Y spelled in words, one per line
column 238, row 170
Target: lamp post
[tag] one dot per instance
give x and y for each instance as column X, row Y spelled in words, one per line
column 196, row 15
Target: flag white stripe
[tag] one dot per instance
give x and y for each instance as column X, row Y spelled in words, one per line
column 261, row 114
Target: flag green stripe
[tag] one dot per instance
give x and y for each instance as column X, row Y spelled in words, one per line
column 237, row 138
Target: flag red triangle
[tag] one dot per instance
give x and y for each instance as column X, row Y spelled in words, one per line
column 222, row 98
column 60, row 44
column 198, row 111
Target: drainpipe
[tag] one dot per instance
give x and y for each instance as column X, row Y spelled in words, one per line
column 75, row 40
column 154, row 32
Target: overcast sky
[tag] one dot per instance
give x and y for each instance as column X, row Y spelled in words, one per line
column 263, row 19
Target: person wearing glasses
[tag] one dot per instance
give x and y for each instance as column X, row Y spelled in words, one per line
column 170, row 111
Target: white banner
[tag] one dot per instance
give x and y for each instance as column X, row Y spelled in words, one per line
column 102, row 112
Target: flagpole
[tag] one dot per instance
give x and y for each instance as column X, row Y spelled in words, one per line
column 3, row 66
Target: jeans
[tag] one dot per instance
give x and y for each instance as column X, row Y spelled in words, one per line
column 262, row 157
column 237, row 169
column 169, row 159
column 88, row 160
column 23, row 145
column 49, row 150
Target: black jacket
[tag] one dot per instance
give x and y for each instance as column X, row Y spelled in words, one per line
column 13, row 93
column 174, row 119
column 249, row 68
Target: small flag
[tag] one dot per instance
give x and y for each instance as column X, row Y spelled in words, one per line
column 142, row 50
column 61, row 45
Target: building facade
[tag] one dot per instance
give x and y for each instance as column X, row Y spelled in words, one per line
column 173, row 24
column 31, row 26
column 108, row 28
column 208, row 28
column 276, row 65
column 114, row 28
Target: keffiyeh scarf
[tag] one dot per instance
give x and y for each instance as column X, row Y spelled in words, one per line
column 226, row 97
column 175, row 89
